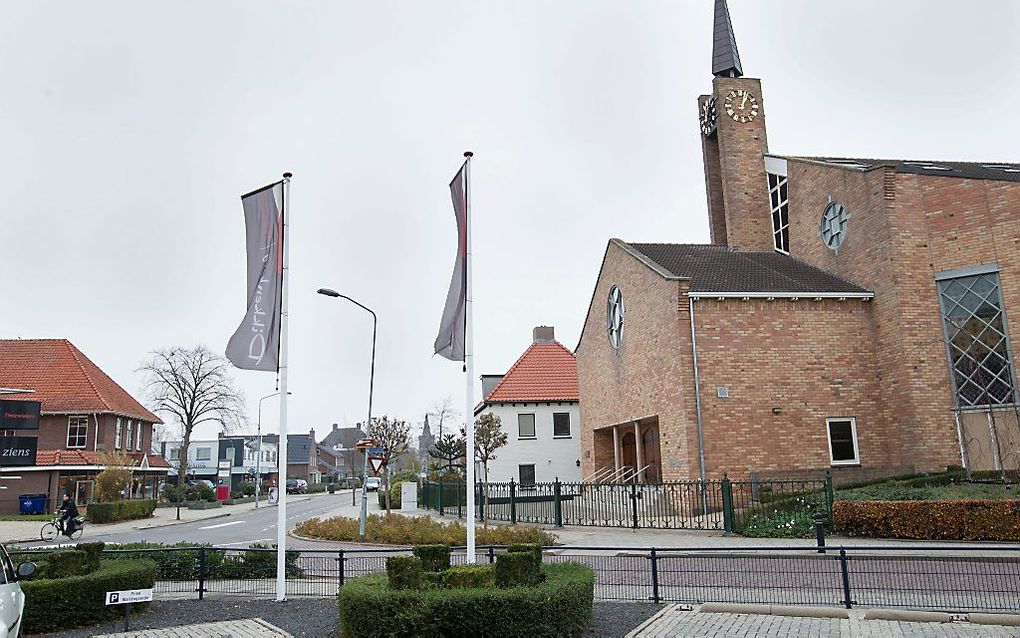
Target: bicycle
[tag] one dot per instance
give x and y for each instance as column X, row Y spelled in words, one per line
column 50, row 531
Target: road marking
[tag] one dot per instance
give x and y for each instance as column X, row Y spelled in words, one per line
column 257, row 540
column 222, row 525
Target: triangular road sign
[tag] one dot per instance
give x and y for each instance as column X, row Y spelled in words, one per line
column 376, row 463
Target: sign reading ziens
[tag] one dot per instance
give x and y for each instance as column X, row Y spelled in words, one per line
column 19, row 415
column 18, row 451
column 125, row 596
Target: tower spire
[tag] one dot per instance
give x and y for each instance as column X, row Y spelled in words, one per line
column 725, row 58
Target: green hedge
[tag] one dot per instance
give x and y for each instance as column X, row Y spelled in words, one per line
column 434, row 558
column 120, row 510
column 559, row 606
column 62, row 603
column 183, row 564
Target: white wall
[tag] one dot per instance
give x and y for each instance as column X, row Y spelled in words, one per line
column 553, row 457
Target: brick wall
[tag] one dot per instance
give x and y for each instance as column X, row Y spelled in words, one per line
column 808, row 359
column 648, row 376
column 738, row 150
column 903, row 229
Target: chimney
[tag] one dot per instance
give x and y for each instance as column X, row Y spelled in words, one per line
column 544, row 333
column 336, row 425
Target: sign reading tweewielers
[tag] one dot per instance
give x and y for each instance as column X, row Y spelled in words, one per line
column 19, row 415
column 255, row 344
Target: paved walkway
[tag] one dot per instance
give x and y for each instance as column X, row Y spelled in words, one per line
column 250, row 628
column 673, row 620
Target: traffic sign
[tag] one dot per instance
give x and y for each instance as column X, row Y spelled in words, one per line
column 364, row 443
column 125, row 596
column 377, row 451
column 376, row 463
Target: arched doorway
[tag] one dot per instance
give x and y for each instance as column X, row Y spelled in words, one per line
column 651, row 455
column 628, row 451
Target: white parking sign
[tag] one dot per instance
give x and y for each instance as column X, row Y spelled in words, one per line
column 128, row 596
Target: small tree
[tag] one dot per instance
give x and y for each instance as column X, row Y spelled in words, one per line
column 489, row 437
column 393, row 437
column 115, row 478
column 449, row 453
column 193, row 386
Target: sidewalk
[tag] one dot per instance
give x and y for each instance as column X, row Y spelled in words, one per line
column 674, row 620
column 251, row 628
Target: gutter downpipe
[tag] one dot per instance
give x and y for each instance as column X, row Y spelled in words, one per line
column 697, row 403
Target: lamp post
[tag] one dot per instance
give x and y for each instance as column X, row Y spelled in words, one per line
column 371, row 383
column 258, row 453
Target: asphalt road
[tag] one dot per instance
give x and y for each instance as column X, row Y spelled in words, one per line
column 241, row 528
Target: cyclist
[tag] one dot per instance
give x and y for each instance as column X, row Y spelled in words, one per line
column 68, row 513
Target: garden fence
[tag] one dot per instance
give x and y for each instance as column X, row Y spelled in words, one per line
column 717, row 504
column 955, row 579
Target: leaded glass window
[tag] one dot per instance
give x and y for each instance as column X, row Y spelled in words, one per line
column 976, row 339
column 779, row 202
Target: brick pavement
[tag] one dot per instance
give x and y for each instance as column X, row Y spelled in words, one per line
column 675, row 621
column 249, row 628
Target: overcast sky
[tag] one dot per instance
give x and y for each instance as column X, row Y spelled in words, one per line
column 128, row 131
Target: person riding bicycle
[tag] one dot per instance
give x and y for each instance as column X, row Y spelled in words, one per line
column 68, row 513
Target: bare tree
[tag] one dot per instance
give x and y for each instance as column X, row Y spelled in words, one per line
column 393, row 437
column 192, row 386
column 489, row 437
column 442, row 412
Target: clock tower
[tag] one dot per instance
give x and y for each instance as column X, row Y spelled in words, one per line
column 733, row 145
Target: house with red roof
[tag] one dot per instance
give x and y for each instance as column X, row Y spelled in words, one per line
column 537, row 403
column 85, row 417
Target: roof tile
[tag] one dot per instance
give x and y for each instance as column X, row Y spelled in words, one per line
column 64, row 379
column 547, row 371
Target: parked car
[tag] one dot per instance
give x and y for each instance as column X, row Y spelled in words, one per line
column 194, row 482
column 297, row 486
column 372, row 484
column 12, row 600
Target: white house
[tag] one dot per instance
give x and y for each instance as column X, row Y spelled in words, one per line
column 537, row 403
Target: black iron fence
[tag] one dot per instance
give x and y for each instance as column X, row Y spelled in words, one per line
column 956, row 579
column 718, row 504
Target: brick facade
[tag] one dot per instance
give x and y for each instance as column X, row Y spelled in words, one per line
column 788, row 364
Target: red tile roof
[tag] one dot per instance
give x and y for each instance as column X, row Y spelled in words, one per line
column 89, row 457
column 64, row 380
column 546, row 371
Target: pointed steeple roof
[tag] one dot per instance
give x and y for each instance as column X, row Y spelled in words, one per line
column 725, row 58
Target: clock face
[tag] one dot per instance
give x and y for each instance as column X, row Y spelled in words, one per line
column 708, row 116
column 741, row 105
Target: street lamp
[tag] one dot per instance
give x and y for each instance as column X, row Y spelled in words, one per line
column 258, row 454
column 371, row 383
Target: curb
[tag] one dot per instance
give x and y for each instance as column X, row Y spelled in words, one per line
column 775, row 610
column 172, row 523
column 903, row 615
column 1008, row 620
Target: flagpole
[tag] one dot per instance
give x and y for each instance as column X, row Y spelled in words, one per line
column 469, row 367
column 281, row 473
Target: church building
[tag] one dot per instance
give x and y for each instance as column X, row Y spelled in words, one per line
column 849, row 315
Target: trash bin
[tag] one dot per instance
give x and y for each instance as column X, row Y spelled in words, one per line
column 32, row 503
column 222, row 492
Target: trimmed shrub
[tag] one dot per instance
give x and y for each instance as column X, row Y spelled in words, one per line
column 404, row 572
column 120, row 510
column 248, row 488
column 526, row 548
column 560, row 606
column 172, row 494
column 184, row 564
column 518, row 568
column 469, row 576
column 62, row 603
column 63, row 564
column 405, row 530
column 434, row 558
column 930, row 520
column 93, row 552
column 331, row 488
